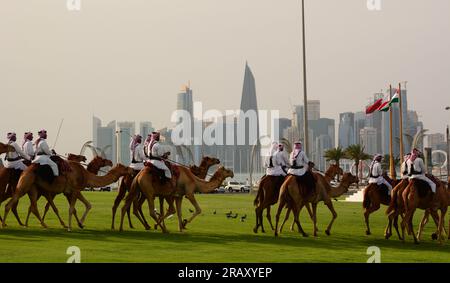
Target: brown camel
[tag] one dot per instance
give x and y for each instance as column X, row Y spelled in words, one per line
column 149, row 185
column 396, row 208
column 268, row 192
column 419, row 195
column 199, row 171
column 295, row 198
column 94, row 167
column 424, row 220
column 374, row 197
column 70, row 183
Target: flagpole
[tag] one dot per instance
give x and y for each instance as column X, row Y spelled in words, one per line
column 401, row 121
column 391, row 145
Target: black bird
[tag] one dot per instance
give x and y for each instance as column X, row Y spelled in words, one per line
column 191, row 211
column 234, row 216
column 244, row 217
column 214, row 212
column 229, row 213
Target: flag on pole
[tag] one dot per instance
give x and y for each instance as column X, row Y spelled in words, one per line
column 374, row 107
column 386, row 105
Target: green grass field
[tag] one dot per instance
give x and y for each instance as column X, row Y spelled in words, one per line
column 210, row 238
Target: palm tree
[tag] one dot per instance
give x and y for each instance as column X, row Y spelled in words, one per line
column 356, row 153
column 335, row 154
column 385, row 164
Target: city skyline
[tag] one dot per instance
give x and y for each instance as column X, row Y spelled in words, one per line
column 46, row 58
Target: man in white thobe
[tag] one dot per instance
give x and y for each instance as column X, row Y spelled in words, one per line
column 417, row 169
column 158, row 154
column 14, row 160
column 43, row 153
column 376, row 173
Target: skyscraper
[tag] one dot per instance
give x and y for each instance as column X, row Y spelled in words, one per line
column 299, row 117
column 346, row 130
column 125, row 132
column 281, row 125
column 103, row 138
column 185, row 100
column 360, row 123
column 313, row 110
column 249, row 103
column 145, row 128
column 368, row 137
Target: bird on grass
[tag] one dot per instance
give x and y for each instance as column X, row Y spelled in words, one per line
column 243, row 218
column 235, row 216
column 191, row 211
column 214, row 212
column 229, row 213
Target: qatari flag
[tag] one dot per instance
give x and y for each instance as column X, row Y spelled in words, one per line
column 372, row 108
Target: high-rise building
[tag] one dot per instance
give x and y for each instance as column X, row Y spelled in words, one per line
column 145, row 128
column 318, row 129
column 322, row 143
column 104, row 139
column 374, row 120
column 185, row 100
column 360, row 123
column 435, row 140
column 281, row 125
column 126, row 130
column 368, row 138
column 346, row 130
column 299, row 120
column 251, row 144
column 313, row 110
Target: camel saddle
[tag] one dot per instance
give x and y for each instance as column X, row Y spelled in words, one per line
column 423, row 188
column 159, row 174
column 306, row 183
column 46, row 173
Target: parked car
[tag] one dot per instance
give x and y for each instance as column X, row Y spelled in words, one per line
column 237, row 187
column 219, row 190
column 105, row 189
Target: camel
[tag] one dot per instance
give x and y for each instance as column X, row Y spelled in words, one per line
column 396, row 208
column 418, row 195
column 148, row 184
column 199, row 171
column 94, row 167
column 70, row 183
column 294, row 197
column 374, row 196
column 268, row 192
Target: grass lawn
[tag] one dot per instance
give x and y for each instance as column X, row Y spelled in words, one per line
column 211, row 237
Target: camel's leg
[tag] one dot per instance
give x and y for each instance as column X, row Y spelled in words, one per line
column 197, row 211
column 388, row 230
column 441, row 225
column 310, row 215
column 72, row 200
column 286, row 217
column 51, row 204
column 88, row 206
column 277, row 216
column 117, row 200
column 47, row 207
column 422, row 224
column 28, row 216
column 330, row 206
column 125, row 207
column 151, row 207
column 14, row 210
column 409, row 217
column 314, row 219
column 258, row 213
column 296, row 210
column 367, row 212
column 269, row 218
column 178, row 202
column 33, row 205
column 141, row 201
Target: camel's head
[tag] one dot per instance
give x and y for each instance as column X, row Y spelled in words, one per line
column 210, row 161
column 4, row 148
column 122, row 170
column 225, row 173
column 102, row 162
column 76, row 158
column 349, row 178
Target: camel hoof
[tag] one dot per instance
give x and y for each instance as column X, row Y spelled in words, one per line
column 255, row 230
column 368, row 233
column 327, row 232
column 434, row 236
column 305, row 235
column 387, row 236
column 185, row 222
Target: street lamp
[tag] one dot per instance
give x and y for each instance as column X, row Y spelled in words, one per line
column 448, row 147
column 117, row 146
column 305, row 95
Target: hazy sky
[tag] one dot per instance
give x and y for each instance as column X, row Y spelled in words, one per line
column 126, row 60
